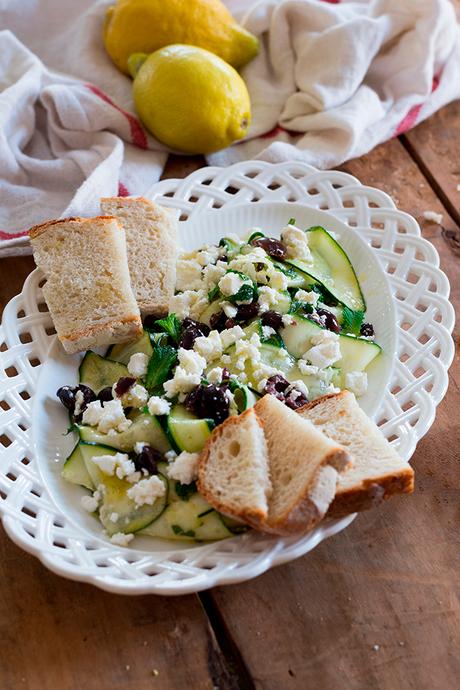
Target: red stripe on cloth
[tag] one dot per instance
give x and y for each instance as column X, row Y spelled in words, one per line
column 278, row 130
column 12, row 235
column 138, row 136
column 332, row 2
column 122, row 190
column 410, row 119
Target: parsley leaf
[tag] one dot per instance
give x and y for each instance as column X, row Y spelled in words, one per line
column 160, row 364
column 170, row 325
column 177, row 529
column 291, row 221
column 184, row 491
column 351, row 320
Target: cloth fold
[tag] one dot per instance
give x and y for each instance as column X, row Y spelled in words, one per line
column 333, row 79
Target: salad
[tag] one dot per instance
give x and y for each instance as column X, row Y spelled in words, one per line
column 249, row 317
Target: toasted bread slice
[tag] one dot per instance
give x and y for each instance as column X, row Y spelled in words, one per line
column 233, row 470
column 151, row 241
column 378, row 472
column 87, row 287
column 303, row 464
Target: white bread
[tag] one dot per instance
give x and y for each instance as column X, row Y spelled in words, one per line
column 378, row 472
column 304, row 466
column 87, row 287
column 233, row 470
column 151, row 242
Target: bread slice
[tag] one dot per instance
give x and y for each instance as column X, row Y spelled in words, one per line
column 378, row 472
column 304, row 466
column 233, row 470
column 87, row 287
column 151, row 241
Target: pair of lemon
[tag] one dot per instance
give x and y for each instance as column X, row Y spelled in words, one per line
column 180, row 54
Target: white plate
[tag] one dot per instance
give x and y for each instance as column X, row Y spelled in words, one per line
column 42, row 513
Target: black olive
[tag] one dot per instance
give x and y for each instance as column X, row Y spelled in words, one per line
column 274, row 248
column 272, row 318
column 147, row 459
column 217, row 321
column 123, row 385
column 191, row 330
column 367, row 329
column 246, row 312
column 208, row 402
column 68, row 397
column 105, row 395
column 328, row 319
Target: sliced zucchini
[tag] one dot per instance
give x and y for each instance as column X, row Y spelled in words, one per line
column 209, row 311
column 357, row 353
column 245, row 398
column 123, row 352
column 98, row 372
column 231, row 246
column 296, row 278
column 189, row 520
column 332, row 268
column 145, row 428
column 316, row 386
column 118, row 512
column 187, row 431
column 74, row 470
column 283, row 303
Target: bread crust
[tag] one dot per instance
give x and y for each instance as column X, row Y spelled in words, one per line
column 371, row 492
column 122, row 330
column 38, row 230
column 251, row 517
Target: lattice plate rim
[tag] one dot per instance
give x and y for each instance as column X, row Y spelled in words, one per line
column 425, row 351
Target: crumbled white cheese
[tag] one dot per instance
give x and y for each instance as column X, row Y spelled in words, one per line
column 209, row 347
column 261, row 385
column 296, row 242
column 146, row 491
column 247, row 263
column 213, row 273
column 208, row 255
column 188, row 274
column 139, row 446
column 231, row 283
column 137, row 365
column 188, row 372
column 191, row 361
column 325, row 350
column 79, row 401
column 136, row 396
column 215, row 375
column 89, row 503
column 109, row 417
column 298, row 386
column 267, row 297
column 188, row 303
column 158, row 406
column 113, row 517
column 268, row 331
column 229, row 336
column 278, row 280
column 433, row 217
column 106, row 463
column 287, row 320
column 226, row 359
column 184, row 469
column 170, row 455
column 306, row 296
column 229, row 309
column 306, row 369
column 118, row 464
column 356, row 382
column 121, row 539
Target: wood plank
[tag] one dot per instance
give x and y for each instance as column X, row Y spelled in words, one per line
column 376, row 606
column 60, row 634
column 435, row 144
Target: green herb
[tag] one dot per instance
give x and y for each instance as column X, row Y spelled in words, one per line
column 300, row 307
column 177, row 529
column 232, row 247
column 161, row 362
column 170, row 325
column 247, row 292
column 291, row 221
column 351, row 320
column 275, row 339
column 185, row 491
column 214, row 293
column 255, row 236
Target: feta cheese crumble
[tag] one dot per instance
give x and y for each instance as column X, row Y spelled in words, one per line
column 209, row 347
column 89, row 503
column 107, row 418
column 121, row 539
column 356, row 382
column 325, row 351
column 268, row 297
column 188, row 274
column 215, row 375
column 146, row 491
column 79, row 401
column 158, row 406
column 137, row 365
column 187, row 374
column 231, row 283
column 118, row 464
column 184, row 468
column 136, row 396
column 306, row 296
column 229, row 309
column 268, row 331
column 296, row 242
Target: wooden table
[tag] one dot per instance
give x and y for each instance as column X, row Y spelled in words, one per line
column 374, row 607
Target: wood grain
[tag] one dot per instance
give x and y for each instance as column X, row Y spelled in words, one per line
column 376, row 606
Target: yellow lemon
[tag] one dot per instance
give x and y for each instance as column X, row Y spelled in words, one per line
column 143, row 26
column 190, row 99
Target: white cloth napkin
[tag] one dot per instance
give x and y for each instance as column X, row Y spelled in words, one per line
column 333, row 79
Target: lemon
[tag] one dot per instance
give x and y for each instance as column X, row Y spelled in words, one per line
column 143, row 26
column 190, row 99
